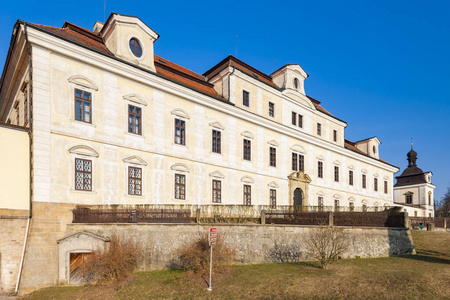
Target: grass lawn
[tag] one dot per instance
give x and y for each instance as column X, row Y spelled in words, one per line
column 422, row 276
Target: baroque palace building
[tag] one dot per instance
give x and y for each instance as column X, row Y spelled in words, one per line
column 96, row 118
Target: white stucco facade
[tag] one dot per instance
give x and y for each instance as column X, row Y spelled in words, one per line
column 114, row 82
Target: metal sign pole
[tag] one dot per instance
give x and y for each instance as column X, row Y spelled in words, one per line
column 210, row 270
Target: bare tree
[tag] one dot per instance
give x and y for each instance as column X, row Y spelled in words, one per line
column 327, row 244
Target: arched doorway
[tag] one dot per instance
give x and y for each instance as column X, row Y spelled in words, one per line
column 298, row 197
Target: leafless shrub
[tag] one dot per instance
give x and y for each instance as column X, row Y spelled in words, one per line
column 114, row 262
column 281, row 253
column 196, row 255
column 327, row 244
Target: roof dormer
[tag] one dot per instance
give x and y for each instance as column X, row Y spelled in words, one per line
column 290, row 77
column 369, row 146
column 130, row 39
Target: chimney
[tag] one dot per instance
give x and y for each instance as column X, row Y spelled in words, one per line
column 98, row 26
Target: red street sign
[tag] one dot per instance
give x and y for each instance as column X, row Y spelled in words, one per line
column 212, row 237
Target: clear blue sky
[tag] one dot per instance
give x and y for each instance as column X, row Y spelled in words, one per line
column 381, row 66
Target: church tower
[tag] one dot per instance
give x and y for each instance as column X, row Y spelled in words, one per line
column 414, row 189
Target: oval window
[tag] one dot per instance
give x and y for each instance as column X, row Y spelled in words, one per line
column 296, row 83
column 135, row 47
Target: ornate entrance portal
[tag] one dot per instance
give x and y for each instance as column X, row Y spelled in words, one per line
column 298, row 188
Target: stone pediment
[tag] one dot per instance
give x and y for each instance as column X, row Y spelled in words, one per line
column 83, row 235
column 300, row 176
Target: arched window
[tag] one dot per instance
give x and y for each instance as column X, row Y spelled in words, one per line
column 135, row 47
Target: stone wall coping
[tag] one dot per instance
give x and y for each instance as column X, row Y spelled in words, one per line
column 237, row 224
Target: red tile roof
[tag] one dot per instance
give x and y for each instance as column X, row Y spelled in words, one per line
column 163, row 66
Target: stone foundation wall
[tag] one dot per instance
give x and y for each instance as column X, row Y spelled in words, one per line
column 12, row 235
column 253, row 243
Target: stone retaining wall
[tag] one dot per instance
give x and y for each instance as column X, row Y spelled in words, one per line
column 43, row 264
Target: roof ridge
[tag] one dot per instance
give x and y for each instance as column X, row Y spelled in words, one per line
column 81, row 30
column 200, row 76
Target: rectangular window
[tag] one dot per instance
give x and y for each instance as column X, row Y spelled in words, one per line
column 271, row 109
column 134, row 181
column 336, row 173
column 273, row 157
column 25, row 107
column 429, row 199
column 247, row 149
column 375, row 184
column 319, row 129
column 334, row 135
column 300, row 121
column 246, row 98
column 298, row 162
column 180, row 132
column 320, row 201
column 294, row 118
column 17, row 114
column 363, row 181
column 216, row 141
column 134, row 119
column 273, row 198
column 336, row 204
column 83, row 174
column 320, row 169
column 351, row 206
column 385, row 187
column 216, row 191
column 247, row 194
column 350, row 177
column 180, row 186
column 409, row 199
column 83, row 106
column 294, row 161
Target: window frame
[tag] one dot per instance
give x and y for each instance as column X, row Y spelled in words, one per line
column 319, row 129
column 25, row 106
column 385, row 186
column 247, row 194
column 272, row 156
column 294, row 118
column 216, row 141
column 90, row 100
column 216, row 191
column 319, row 169
column 273, row 198
column 137, row 44
column 271, row 109
column 409, row 199
column 364, row 181
column 336, row 173
column 182, row 131
column 83, row 172
column 246, row 149
column 135, row 115
column 300, row 120
column 350, row 177
column 375, row 184
column 334, row 135
column 130, row 178
column 246, row 98
column 181, row 185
